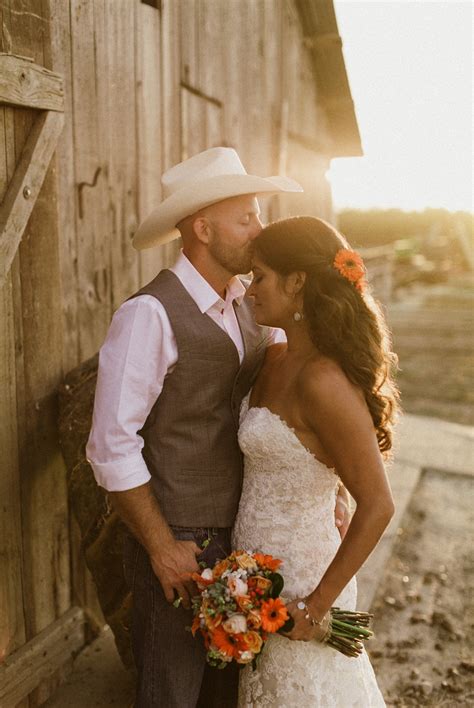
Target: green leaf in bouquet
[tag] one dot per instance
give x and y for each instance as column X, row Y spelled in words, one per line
column 277, row 585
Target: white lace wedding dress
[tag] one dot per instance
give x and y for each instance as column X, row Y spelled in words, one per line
column 287, row 510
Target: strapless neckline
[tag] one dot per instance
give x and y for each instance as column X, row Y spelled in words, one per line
column 288, row 428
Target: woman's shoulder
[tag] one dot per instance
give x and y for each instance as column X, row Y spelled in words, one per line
column 322, row 377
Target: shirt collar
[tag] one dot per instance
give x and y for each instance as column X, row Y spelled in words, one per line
column 202, row 293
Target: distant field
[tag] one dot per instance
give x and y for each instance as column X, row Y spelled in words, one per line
column 433, row 335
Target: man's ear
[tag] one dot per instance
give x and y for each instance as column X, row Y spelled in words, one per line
column 202, row 229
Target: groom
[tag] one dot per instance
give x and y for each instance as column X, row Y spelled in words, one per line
column 179, row 357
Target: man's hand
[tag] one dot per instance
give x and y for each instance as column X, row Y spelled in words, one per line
column 173, row 567
column 342, row 511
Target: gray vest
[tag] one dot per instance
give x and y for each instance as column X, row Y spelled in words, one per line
column 190, row 435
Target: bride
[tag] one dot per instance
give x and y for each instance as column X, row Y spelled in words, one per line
column 320, row 412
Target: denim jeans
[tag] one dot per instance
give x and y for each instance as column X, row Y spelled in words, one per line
column 171, row 663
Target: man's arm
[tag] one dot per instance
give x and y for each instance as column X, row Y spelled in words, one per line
column 126, row 392
column 172, row 561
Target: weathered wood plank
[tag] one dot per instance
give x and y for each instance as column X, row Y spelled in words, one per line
column 61, row 63
column 149, row 126
column 234, row 116
column 119, row 118
column 25, row 185
column 40, row 658
column 83, row 588
column 189, row 56
column 24, row 83
column 171, row 94
column 12, row 624
column 90, row 76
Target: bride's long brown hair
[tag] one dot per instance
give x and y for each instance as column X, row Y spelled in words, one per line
column 345, row 324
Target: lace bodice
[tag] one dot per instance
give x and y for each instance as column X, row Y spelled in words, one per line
column 287, row 509
column 291, row 496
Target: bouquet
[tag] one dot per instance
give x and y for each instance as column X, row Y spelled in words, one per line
column 239, row 605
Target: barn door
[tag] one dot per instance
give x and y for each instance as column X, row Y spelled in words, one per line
column 24, row 83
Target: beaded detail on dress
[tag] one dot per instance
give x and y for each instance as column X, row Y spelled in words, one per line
column 287, row 510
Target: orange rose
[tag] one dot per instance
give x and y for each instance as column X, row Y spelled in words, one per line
column 254, row 620
column 253, row 641
column 245, row 561
column 262, row 583
column 220, row 568
column 244, row 602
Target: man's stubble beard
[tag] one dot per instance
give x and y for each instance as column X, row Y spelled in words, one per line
column 234, row 260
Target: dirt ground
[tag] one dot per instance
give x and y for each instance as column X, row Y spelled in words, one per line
column 423, row 649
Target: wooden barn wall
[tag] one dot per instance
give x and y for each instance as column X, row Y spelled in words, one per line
column 144, row 88
column 35, row 584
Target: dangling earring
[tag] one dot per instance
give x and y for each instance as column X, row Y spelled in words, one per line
column 298, row 316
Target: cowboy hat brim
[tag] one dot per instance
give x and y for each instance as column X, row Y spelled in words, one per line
column 160, row 226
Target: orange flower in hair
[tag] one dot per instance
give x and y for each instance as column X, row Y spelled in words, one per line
column 351, row 266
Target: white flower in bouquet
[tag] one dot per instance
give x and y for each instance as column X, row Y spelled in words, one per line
column 236, row 585
column 235, row 624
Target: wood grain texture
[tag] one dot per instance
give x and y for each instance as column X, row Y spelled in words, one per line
column 149, row 127
column 12, row 623
column 117, row 114
column 93, row 229
column 25, row 185
column 171, row 148
column 40, row 658
column 61, row 62
column 24, row 83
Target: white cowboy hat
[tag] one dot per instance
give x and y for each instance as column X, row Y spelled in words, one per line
column 206, row 178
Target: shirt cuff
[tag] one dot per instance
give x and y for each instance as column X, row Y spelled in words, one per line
column 120, row 475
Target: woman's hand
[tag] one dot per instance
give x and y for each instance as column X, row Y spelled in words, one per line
column 343, row 511
column 304, row 630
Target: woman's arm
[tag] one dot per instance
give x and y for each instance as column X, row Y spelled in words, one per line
column 338, row 415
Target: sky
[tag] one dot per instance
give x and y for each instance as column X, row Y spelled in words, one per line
column 409, row 64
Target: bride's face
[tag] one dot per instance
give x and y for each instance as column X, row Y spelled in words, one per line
column 273, row 303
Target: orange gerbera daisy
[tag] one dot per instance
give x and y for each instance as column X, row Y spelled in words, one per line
column 351, row 266
column 274, row 614
column 229, row 644
column 267, row 561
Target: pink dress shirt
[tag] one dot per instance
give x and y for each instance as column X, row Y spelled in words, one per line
column 127, row 390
